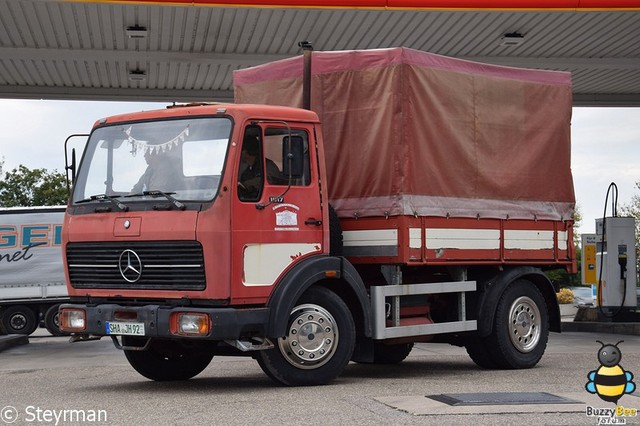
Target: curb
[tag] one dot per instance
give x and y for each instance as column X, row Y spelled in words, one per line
column 10, row 340
column 632, row 328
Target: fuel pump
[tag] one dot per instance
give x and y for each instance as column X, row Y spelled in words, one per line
column 616, row 263
column 590, row 243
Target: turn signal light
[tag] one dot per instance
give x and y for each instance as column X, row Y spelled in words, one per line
column 73, row 320
column 190, row 324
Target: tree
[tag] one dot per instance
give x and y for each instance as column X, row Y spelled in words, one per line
column 577, row 221
column 633, row 209
column 24, row 187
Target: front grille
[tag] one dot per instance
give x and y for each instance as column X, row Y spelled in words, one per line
column 164, row 265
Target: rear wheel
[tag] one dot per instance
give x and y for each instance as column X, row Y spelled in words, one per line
column 477, row 350
column 166, row 360
column 521, row 327
column 319, row 342
column 19, row 320
column 389, row 354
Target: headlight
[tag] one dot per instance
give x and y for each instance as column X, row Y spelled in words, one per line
column 190, row 324
column 73, row 320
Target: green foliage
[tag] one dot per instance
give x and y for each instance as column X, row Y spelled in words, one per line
column 563, row 278
column 633, row 209
column 577, row 221
column 24, row 187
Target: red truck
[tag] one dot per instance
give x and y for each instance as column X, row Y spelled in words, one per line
column 420, row 201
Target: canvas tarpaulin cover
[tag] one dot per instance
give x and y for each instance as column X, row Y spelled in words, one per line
column 412, row 133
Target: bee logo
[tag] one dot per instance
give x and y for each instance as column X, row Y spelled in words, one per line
column 610, row 381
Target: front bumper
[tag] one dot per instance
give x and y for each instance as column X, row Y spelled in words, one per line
column 226, row 323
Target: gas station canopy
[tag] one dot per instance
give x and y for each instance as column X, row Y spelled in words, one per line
column 182, row 50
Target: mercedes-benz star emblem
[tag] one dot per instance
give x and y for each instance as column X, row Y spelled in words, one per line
column 130, row 266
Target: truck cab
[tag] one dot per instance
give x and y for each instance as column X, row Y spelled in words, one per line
column 180, row 179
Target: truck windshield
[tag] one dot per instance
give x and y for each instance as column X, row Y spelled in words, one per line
column 181, row 157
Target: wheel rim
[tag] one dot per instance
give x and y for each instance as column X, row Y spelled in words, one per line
column 525, row 323
column 18, row 321
column 312, row 337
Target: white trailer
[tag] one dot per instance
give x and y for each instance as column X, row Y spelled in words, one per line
column 32, row 282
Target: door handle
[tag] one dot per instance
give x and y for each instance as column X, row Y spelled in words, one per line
column 312, row 221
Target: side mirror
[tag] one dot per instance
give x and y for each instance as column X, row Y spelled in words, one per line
column 293, row 156
column 71, row 168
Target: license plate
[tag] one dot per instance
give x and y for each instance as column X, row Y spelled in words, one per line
column 125, row 328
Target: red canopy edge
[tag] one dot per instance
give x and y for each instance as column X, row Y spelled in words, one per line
column 353, row 60
column 578, row 5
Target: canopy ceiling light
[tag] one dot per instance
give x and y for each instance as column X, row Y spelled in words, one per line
column 512, row 39
column 137, row 75
column 137, row 32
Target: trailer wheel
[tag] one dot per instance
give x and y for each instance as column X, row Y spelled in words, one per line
column 319, row 342
column 521, row 327
column 52, row 321
column 167, row 361
column 19, row 320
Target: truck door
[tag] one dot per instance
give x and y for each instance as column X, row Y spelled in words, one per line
column 276, row 220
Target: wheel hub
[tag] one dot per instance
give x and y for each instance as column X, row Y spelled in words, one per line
column 525, row 321
column 18, row 321
column 312, row 337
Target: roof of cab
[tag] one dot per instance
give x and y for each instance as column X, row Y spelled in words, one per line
column 239, row 111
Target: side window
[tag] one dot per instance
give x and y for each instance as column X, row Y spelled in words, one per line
column 250, row 180
column 275, row 149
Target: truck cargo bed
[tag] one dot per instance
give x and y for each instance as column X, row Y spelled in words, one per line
column 437, row 241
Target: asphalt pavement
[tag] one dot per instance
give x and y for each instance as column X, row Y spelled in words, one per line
column 50, row 377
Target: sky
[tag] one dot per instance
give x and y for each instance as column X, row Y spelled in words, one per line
column 605, row 144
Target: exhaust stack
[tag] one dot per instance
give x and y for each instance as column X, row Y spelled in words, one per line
column 307, row 50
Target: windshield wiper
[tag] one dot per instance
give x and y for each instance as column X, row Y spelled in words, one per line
column 156, row 193
column 105, row 197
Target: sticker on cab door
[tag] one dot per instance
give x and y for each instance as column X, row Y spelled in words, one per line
column 286, row 217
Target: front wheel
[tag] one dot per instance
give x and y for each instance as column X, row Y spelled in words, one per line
column 319, row 342
column 167, row 361
column 521, row 327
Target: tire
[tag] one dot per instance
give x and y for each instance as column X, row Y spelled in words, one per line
column 477, row 350
column 301, row 358
column 389, row 354
column 19, row 319
column 521, row 327
column 52, row 323
column 167, row 361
